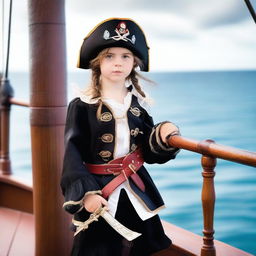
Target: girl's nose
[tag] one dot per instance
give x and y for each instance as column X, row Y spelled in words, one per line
column 117, row 64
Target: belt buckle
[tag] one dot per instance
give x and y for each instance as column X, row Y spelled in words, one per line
column 132, row 168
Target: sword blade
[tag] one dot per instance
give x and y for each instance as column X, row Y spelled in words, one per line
column 120, row 228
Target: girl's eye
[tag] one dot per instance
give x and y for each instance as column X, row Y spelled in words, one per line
column 108, row 56
column 126, row 56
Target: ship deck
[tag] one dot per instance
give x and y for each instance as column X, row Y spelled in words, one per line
column 17, row 233
column 17, row 237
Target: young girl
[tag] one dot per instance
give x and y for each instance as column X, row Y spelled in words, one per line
column 108, row 136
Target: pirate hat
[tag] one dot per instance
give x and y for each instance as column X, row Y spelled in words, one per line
column 114, row 32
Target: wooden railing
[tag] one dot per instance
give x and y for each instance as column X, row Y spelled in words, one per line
column 5, row 110
column 18, row 102
column 210, row 151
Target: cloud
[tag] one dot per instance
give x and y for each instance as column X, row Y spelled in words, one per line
column 225, row 13
column 182, row 34
column 205, row 14
column 168, row 26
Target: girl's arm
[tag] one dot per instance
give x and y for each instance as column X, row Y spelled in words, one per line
column 154, row 147
column 77, row 182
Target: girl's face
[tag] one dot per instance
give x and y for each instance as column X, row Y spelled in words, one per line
column 116, row 65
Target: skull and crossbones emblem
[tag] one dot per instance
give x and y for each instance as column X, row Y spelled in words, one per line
column 122, row 33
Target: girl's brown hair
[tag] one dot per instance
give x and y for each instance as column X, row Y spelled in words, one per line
column 94, row 90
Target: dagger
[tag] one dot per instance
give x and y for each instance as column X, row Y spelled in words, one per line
column 115, row 224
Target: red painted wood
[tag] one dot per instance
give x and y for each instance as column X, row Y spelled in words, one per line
column 24, row 240
column 16, row 193
column 190, row 243
column 17, row 181
column 17, row 236
column 9, row 220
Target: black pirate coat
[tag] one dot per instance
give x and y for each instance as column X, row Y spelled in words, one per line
column 89, row 140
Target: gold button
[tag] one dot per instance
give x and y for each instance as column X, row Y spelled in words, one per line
column 135, row 111
column 133, row 147
column 135, row 132
column 107, row 138
column 105, row 154
column 106, row 117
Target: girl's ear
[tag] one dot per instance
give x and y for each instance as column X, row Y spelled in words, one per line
column 135, row 64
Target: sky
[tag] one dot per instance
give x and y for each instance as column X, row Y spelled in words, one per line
column 183, row 35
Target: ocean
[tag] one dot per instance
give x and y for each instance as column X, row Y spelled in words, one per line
column 218, row 105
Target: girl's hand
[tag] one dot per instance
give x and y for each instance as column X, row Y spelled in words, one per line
column 166, row 129
column 93, row 202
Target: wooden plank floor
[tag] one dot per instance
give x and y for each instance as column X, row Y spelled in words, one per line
column 17, row 238
column 16, row 233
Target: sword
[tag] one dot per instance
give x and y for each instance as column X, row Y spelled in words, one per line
column 115, row 224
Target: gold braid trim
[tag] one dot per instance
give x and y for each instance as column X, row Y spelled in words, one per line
column 150, row 142
column 81, row 226
column 158, row 139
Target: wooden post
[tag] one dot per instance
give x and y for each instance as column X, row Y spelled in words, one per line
column 1, row 171
column 48, row 110
column 208, row 200
column 6, row 92
column 5, row 163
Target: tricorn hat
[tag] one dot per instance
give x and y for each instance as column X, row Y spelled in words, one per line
column 114, row 32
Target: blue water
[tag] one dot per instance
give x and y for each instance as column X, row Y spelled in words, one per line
column 216, row 105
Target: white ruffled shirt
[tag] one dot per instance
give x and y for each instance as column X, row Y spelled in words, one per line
column 122, row 145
